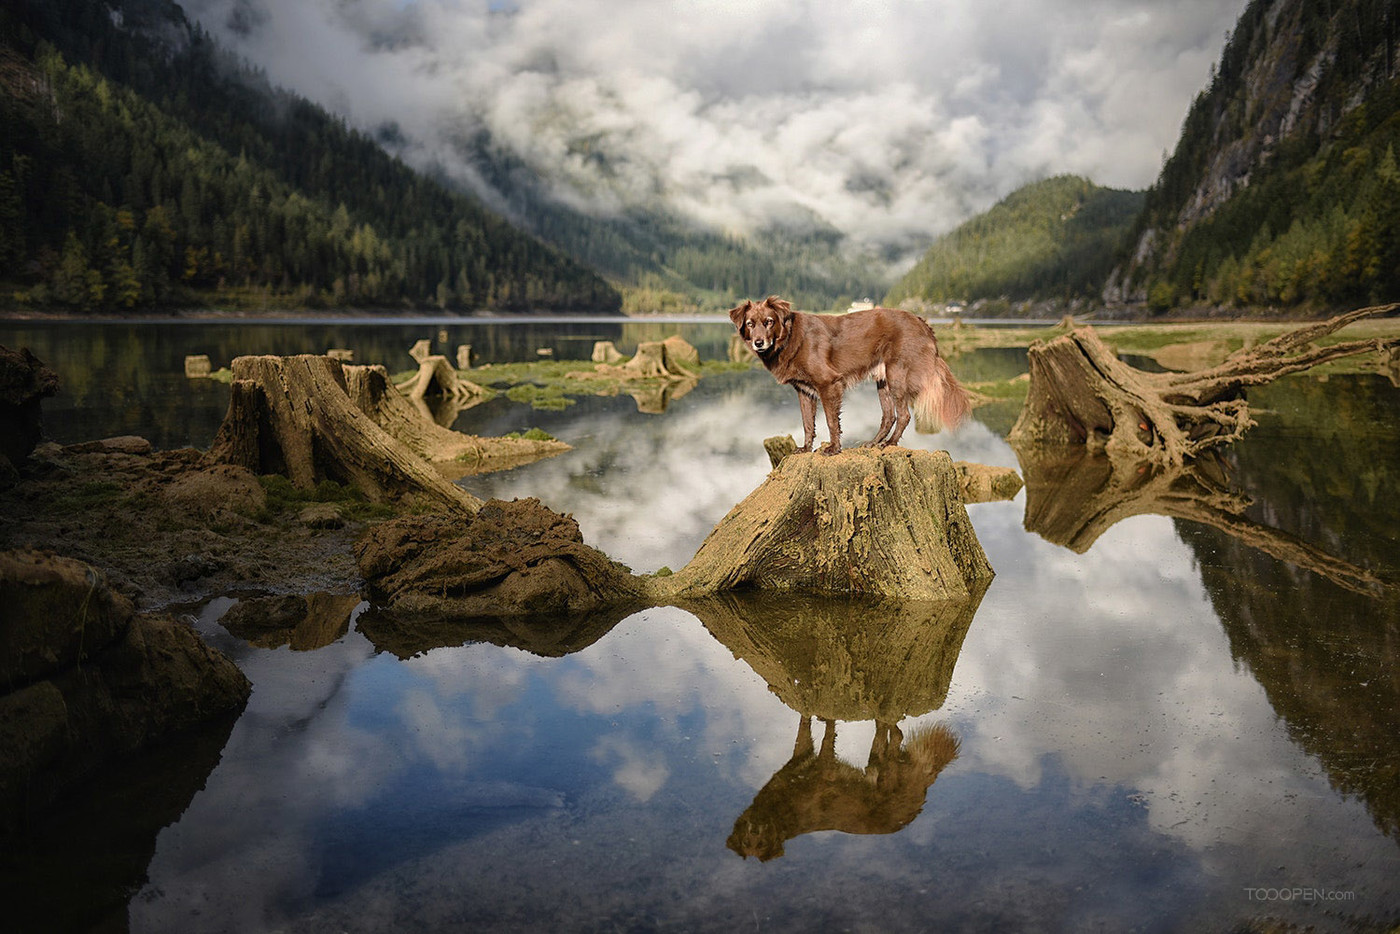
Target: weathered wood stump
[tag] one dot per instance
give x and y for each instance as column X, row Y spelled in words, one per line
column 882, row 523
column 436, row 377
column 1081, row 393
column 606, row 352
column 453, row 453
column 294, row 416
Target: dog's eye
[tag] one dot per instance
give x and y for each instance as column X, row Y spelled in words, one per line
column 768, row 323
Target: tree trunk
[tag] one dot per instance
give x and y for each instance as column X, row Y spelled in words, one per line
column 453, row 453
column 293, row 416
column 884, row 523
column 1081, row 393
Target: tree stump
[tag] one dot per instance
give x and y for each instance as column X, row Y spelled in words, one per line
column 607, row 352
column 436, row 377
column 293, row 416
column 649, row 361
column 421, row 350
column 453, row 454
column 1081, row 393
column 883, row 523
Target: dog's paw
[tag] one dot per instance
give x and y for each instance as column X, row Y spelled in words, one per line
column 830, row 449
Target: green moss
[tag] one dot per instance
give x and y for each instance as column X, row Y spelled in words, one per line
column 533, row 434
column 284, row 496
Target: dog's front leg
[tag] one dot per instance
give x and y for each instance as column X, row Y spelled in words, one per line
column 808, row 401
column 831, row 405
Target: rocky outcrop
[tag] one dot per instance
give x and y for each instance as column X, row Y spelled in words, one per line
column 513, row 558
column 86, row 680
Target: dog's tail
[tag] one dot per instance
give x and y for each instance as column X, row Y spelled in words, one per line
column 941, row 401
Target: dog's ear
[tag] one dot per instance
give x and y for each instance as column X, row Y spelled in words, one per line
column 784, row 309
column 736, row 314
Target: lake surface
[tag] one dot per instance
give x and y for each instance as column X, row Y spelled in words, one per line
column 1173, row 722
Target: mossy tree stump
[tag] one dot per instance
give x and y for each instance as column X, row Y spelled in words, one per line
column 294, row 416
column 1081, row 393
column 884, row 523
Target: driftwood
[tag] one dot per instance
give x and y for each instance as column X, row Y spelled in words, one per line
column 1081, row 393
column 454, row 454
column 1073, row 496
column 294, row 416
column 882, row 523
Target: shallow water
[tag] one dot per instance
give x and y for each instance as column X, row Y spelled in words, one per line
column 1161, row 728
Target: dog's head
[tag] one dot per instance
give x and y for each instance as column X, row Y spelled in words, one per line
column 763, row 325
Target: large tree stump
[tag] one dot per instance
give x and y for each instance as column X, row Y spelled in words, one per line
column 453, row 454
column 883, row 523
column 293, row 416
column 1081, row 393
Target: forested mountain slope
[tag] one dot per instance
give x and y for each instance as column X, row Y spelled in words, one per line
column 1050, row 239
column 140, row 166
column 1283, row 189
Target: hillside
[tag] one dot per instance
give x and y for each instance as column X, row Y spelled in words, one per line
column 663, row 262
column 140, row 166
column 1052, row 239
column 1283, row 190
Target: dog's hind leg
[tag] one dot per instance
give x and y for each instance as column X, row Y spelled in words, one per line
column 901, row 405
column 882, row 388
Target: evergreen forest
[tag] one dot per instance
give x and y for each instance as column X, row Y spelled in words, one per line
column 1312, row 87
column 1052, row 239
column 141, row 166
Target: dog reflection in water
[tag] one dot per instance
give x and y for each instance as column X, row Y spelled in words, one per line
column 817, row 791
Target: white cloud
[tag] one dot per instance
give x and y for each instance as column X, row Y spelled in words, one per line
column 887, row 119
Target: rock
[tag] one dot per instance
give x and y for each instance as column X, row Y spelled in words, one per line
column 322, row 516
column 86, row 680
column 877, row 522
column 24, row 381
column 198, row 366
column 212, row 493
column 122, row 444
column 513, row 558
column 54, row 613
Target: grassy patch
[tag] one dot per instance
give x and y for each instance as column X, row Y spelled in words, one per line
column 284, row 496
column 533, row 434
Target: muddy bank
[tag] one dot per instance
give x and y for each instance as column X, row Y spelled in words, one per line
column 165, row 527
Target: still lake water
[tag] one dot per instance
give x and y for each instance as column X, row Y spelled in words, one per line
column 1161, row 728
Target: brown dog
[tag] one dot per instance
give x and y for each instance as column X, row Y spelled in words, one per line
column 822, row 355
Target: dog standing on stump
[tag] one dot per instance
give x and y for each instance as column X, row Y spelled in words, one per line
column 821, row 356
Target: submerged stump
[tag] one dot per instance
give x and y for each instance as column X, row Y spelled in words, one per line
column 1081, row 393
column 884, row 523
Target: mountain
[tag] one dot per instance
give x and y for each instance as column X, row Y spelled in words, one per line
column 140, row 166
column 664, row 262
column 1283, row 189
column 1052, row 239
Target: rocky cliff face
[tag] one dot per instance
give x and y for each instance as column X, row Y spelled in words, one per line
column 1292, row 73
